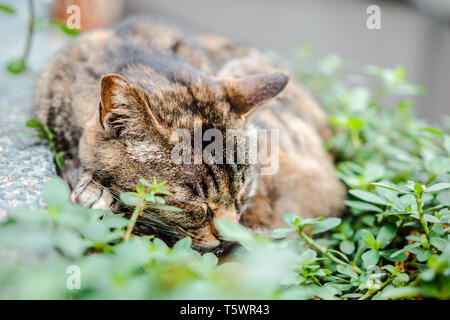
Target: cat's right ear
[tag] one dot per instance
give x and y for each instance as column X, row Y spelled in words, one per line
column 247, row 93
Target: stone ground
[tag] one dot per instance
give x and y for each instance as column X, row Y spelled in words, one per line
column 25, row 161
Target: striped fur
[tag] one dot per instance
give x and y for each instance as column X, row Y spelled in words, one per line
column 115, row 96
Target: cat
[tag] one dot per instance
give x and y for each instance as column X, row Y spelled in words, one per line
column 115, row 96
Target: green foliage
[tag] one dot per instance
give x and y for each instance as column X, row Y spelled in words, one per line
column 45, row 133
column 145, row 197
column 63, row 27
column 38, row 246
column 397, row 169
column 17, row 66
column 392, row 243
column 7, row 8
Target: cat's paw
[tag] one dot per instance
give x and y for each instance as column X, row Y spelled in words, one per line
column 92, row 195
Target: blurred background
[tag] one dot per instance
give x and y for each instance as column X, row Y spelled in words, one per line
column 414, row 33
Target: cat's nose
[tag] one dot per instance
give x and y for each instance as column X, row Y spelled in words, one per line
column 226, row 213
column 205, row 240
column 229, row 214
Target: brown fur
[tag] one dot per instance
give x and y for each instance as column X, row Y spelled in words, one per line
column 114, row 97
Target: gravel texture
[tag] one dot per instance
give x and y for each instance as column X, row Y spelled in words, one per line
column 25, row 161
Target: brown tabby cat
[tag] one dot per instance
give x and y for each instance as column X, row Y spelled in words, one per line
column 115, row 96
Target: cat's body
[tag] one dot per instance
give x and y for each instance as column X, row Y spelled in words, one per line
column 115, row 96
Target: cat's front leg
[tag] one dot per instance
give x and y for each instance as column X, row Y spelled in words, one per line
column 92, row 195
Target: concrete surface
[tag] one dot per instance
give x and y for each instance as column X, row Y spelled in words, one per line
column 25, row 162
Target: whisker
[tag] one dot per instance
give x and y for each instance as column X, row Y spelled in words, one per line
column 149, row 217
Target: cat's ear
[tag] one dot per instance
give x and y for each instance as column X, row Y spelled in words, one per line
column 123, row 105
column 112, row 86
column 249, row 92
column 115, row 93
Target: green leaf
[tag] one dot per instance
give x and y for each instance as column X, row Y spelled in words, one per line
column 292, row 219
column 140, row 189
column 232, row 231
column 370, row 258
column 386, row 254
column 362, row 206
column 17, row 66
column 368, row 238
column 367, row 196
column 401, row 279
column 59, row 159
column 183, row 244
column 422, row 255
column 325, row 225
column 281, row 233
column 164, row 191
column 406, row 248
column 433, row 131
column 444, row 197
column 386, row 186
column 210, row 259
column 390, row 268
column 150, row 197
column 385, row 236
column 160, row 245
column 64, row 28
column 347, row 271
column 348, row 247
column 428, row 275
column 310, row 221
column 7, row 9
column 438, row 187
column 71, row 243
column 130, row 198
column 418, row 188
column 392, row 196
column 429, row 218
column 56, row 193
column 160, row 200
column 440, row 243
column 307, row 257
column 145, row 182
column 402, row 292
column 34, row 123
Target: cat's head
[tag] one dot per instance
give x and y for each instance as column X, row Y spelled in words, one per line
column 132, row 137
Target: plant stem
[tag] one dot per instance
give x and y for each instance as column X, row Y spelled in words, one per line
column 316, row 281
column 324, row 251
column 354, row 134
column 371, row 292
column 136, row 213
column 31, row 22
column 421, row 216
column 358, row 253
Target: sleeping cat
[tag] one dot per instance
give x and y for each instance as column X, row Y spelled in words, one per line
column 115, row 96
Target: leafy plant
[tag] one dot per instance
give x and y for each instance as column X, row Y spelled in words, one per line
column 141, row 199
column 45, row 133
column 397, row 169
column 39, row 246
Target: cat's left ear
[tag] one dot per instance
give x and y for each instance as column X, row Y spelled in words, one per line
column 115, row 91
column 125, row 104
column 245, row 94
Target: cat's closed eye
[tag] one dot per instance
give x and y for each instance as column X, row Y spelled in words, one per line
column 237, row 205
